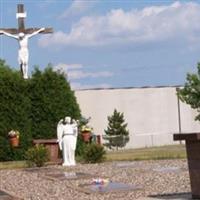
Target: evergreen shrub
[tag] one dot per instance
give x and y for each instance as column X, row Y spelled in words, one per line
column 116, row 134
column 94, row 153
column 37, row 156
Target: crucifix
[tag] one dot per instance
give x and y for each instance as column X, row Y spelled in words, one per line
column 22, row 35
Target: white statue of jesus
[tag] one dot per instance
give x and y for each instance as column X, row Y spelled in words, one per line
column 23, row 54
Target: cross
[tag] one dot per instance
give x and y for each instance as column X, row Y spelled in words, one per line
column 22, row 35
column 21, row 15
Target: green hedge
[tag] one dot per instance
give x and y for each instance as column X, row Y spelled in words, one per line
column 33, row 107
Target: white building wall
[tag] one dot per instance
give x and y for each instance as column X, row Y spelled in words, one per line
column 151, row 113
column 187, row 119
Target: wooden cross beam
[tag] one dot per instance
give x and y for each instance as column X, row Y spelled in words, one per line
column 21, row 15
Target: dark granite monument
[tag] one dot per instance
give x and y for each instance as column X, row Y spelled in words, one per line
column 192, row 141
column 52, row 147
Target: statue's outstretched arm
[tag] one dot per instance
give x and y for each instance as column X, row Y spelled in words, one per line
column 8, row 34
column 36, row 32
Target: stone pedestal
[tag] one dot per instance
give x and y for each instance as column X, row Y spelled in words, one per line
column 193, row 156
column 52, row 146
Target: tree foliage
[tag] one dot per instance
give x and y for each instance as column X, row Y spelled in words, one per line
column 51, row 99
column 14, row 112
column 117, row 134
column 190, row 94
column 33, row 107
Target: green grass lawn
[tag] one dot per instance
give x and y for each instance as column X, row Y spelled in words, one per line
column 152, row 153
column 12, row 164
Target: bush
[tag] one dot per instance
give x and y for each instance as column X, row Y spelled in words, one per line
column 94, row 153
column 80, row 146
column 37, row 156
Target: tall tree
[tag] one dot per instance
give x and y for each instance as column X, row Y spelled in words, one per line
column 117, row 134
column 51, row 99
column 33, row 107
column 14, row 112
column 190, row 93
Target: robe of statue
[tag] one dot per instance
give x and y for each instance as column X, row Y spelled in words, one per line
column 67, row 137
column 59, row 133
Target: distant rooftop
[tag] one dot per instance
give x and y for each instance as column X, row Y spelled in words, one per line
column 143, row 87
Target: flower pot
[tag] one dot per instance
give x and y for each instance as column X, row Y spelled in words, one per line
column 14, row 141
column 86, row 136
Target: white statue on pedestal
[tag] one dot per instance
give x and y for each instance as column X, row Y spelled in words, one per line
column 67, row 137
column 23, row 54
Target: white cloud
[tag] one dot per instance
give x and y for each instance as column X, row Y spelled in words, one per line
column 78, row 74
column 65, row 67
column 77, row 8
column 45, row 3
column 72, row 71
column 79, row 86
column 151, row 24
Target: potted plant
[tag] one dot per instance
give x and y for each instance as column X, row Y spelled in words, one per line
column 14, row 138
column 86, row 132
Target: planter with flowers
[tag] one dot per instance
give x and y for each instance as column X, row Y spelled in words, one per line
column 86, row 133
column 14, row 138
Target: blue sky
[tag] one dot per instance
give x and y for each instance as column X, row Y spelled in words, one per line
column 109, row 43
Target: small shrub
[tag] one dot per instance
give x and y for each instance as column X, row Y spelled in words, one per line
column 37, row 156
column 94, row 153
column 80, row 146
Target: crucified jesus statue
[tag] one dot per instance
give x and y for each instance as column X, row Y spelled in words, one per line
column 23, row 53
column 22, row 34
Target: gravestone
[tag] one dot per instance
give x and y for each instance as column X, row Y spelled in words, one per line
column 167, row 169
column 126, row 164
column 5, row 196
column 173, row 196
column 193, row 157
column 68, row 176
column 52, row 147
column 108, row 187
